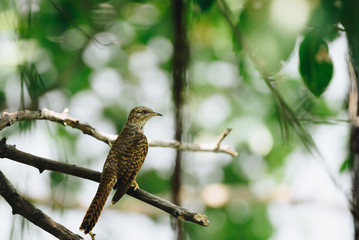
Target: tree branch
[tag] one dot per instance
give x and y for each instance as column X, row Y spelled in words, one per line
column 221, row 137
column 7, row 119
column 210, row 147
column 10, row 152
column 22, row 207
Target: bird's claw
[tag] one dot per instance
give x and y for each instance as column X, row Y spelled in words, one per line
column 135, row 186
column 92, row 235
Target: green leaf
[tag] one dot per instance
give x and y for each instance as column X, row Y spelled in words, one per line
column 205, row 5
column 57, row 178
column 153, row 182
column 346, row 165
column 315, row 64
column 3, row 103
column 264, row 41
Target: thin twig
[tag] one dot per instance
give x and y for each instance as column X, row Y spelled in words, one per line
column 210, row 147
column 10, row 152
column 22, row 207
column 221, row 137
column 7, row 119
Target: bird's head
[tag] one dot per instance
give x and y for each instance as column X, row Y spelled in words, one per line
column 140, row 115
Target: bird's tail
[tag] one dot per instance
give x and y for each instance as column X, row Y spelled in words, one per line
column 94, row 211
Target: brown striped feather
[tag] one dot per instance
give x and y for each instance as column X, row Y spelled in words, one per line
column 93, row 213
column 122, row 164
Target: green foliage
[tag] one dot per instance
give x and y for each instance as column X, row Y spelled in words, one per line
column 233, row 173
column 233, row 75
column 235, row 221
column 117, row 115
column 261, row 37
column 57, row 178
column 324, row 19
column 2, row 100
column 316, row 67
column 204, row 5
column 34, row 84
column 346, row 165
column 153, row 182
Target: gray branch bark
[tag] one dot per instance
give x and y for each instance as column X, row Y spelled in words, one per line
column 10, row 152
column 7, row 119
column 22, row 207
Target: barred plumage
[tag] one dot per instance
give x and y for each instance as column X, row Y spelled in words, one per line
column 93, row 213
column 123, row 162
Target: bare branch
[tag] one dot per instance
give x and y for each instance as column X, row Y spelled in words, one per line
column 221, row 137
column 30, row 212
column 7, row 119
column 211, row 147
column 10, row 152
column 168, row 207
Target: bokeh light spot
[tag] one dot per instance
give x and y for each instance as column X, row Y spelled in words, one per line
column 215, row 195
column 290, row 15
column 213, row 111
column 261, row 141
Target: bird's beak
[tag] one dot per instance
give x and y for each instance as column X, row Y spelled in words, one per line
column 156, row 114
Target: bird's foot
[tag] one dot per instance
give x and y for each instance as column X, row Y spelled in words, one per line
column 92, row 235
column 135, row 185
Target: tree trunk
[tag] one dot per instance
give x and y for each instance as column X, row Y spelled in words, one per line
column 179, row 68
column 350, row 21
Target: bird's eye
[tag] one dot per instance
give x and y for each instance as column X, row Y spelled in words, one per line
column 144, row 111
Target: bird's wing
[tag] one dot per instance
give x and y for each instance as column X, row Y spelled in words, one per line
column 129, row 163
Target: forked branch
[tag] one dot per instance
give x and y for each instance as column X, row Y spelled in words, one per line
column 7, row 119
column 10, row 152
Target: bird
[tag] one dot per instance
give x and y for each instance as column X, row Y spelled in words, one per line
column 122, row 164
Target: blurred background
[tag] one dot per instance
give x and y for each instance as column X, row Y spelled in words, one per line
column 274, row 71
